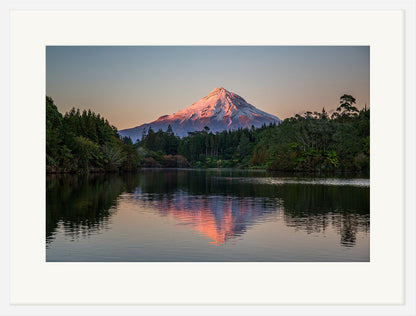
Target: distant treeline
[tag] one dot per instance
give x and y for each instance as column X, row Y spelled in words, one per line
column 313, row 142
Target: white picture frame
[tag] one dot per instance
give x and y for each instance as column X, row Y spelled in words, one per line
column 31, row 277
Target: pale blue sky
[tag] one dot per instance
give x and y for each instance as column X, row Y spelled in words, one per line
column 131, row 85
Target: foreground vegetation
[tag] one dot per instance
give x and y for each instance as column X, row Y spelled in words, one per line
column 313, row 142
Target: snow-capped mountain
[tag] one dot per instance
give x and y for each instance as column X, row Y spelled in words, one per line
column 219, row 110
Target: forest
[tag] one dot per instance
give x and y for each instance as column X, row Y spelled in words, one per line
column 85, row 142
column 313, row 142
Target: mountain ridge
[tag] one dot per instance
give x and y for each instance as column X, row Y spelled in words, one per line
column 219, row 110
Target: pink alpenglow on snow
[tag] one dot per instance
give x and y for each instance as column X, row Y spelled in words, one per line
column 219, row 110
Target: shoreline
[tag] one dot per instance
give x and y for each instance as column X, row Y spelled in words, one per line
column 279, row 173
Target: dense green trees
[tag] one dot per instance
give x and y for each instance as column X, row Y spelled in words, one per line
column 80, row 142
column 313, row 142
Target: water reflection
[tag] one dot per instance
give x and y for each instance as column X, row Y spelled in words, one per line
column 219, row 205
column 217, row 217
column 82, row 205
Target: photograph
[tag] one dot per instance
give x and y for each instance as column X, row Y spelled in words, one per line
column 207, row 153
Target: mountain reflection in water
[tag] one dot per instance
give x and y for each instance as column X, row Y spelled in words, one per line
column 219, row 205
column 217, row 217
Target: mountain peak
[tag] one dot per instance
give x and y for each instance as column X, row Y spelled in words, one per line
column 218, row 91
column 223, row 94
column 219, row 110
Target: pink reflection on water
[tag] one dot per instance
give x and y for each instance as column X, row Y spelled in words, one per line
column 219, row 218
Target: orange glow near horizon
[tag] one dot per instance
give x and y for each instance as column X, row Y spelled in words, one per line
column 133, row 85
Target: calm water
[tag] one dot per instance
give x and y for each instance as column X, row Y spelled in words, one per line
column 211, row 215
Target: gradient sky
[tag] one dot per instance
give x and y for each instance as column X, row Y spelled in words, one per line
column 132, row 85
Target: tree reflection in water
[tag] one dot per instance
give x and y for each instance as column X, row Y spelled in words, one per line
column 82, row 204
column 220, row 204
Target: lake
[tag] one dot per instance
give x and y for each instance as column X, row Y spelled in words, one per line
column 186, row 215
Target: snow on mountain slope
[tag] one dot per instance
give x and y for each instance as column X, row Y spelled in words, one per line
column 219, row 110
